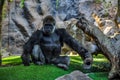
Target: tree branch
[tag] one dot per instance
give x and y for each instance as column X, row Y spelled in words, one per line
column 106, row 44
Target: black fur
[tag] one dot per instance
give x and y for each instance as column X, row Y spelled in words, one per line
column 44, row 46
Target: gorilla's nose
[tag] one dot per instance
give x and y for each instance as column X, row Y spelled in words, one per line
column 48, row 31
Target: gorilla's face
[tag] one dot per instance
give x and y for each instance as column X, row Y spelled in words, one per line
column 48, row 29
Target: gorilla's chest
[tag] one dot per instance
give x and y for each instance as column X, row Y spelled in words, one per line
column 51, row 41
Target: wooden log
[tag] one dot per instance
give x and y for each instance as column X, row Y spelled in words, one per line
column 109, row 46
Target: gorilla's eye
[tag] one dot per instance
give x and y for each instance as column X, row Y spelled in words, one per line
column 48, row 26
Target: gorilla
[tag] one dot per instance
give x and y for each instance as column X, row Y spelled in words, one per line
column 44, row 46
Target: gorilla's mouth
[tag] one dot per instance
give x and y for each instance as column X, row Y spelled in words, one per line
column 47, row 31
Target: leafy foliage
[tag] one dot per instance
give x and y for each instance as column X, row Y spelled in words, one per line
column 57, row 2
column 97, row 1
column 4, row 11
column 22, row 3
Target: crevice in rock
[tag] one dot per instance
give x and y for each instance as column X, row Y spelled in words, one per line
column 21, row 29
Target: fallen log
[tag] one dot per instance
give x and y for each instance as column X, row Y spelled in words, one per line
column 109, row 46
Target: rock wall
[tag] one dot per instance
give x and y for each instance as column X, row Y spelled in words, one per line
column 22, row 22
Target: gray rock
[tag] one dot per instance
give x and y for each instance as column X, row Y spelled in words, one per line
column 22, row 22
column 75, row 75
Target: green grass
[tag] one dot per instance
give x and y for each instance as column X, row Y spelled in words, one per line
column 14, row 70
column 12, row 60
column 99, row 75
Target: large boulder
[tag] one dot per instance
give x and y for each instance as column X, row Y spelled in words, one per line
column 75, row 75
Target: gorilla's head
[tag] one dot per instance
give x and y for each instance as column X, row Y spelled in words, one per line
column 48, row 25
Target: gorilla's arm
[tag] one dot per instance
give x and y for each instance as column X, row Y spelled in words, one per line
column 71, row 42
column 34, row 39
column 28, row 46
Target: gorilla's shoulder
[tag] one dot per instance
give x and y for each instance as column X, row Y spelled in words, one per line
column 60, row 30
column 63, row 33
column 36, row 33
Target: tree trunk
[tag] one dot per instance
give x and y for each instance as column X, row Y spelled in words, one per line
column 117, row 19
column 1, row 8
column 109, row 46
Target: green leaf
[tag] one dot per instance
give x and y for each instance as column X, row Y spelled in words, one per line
column 22, row 3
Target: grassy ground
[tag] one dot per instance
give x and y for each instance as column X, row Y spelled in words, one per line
column 14, row 70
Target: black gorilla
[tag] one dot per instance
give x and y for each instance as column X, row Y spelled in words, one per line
column 44, row 46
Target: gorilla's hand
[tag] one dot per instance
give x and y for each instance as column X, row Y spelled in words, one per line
column 88, row 61
column 25, row 59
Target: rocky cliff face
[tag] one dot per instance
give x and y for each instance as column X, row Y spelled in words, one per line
column 22, row 22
